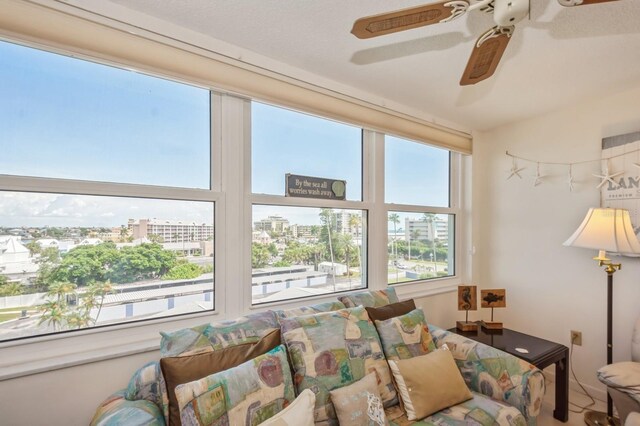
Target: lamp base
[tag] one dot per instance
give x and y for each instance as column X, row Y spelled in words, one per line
column 598, row 418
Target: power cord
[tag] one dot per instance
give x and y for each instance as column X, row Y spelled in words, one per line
column 585, row 392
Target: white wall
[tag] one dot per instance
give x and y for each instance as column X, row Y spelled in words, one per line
column 518, row 230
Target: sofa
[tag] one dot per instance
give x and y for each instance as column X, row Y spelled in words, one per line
column 505, row 390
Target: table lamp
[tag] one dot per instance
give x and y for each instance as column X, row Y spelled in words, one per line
column 606, row 230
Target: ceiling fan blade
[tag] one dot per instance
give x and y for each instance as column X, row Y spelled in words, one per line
column 486, row 55
column 571, row 3
column 406, row 19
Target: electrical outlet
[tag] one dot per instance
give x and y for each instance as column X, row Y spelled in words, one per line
column 576, row 337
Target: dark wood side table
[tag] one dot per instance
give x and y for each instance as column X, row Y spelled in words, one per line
column 542, row 353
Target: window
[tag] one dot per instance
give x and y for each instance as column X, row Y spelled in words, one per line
column 416, row 173
column 421, row 236
column 285, row 141
column 66, row 118
column 420, row 246
column 305, row 246
column 79, row 248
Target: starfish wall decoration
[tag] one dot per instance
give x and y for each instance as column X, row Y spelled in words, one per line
column 570, row 180
column 538, row 177
column 606, row 176
column 515, row 171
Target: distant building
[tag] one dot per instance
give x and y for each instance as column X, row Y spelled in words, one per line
column 116, row 235
column 90, row 242
column 303, row 231
column 346, row 224
column 261, row 237
column 63, row 246
column 422, row 230
column 276, row 224
column 15, row 257
column 170, row 231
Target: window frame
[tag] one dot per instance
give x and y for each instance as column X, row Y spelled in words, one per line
column 456, row 194
column 365, row 205
column 214, row 195
column 230, row 191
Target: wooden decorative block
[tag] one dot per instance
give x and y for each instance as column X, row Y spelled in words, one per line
column 467, row 298
column 493, row 298
column 466, row 326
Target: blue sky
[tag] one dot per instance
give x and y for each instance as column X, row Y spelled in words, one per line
column 65, row 118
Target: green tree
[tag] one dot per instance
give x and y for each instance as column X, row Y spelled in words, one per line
column 346, row 248
column 85, row 264
column 295, row 253
column 395, row 219
column 94, row 298
column 329, row 225
column 430, row 218
column 9, row 289
column 145, row 261
column 34, row 248
column 54, row 310
column 184, row 271
column 259, row 255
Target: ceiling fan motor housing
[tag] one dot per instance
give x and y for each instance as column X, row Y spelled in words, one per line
column 509, row 12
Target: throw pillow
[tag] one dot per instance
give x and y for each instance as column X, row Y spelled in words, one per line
column 299, row 413
column 405, row 336
column 359, row 404
column 429, row 383
column 334, row 349
column 391, row 310
column 370, row 298
column 184, row 369
column 308, row 310
column 247, row 394
column 218, row 335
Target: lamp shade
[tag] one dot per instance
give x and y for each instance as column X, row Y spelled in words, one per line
column 606, row 229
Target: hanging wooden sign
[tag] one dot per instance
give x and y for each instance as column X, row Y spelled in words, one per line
column 315, row 187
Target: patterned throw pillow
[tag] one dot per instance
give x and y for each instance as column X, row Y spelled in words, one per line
column 405, row 336
column 370, row 298
column 299, row 413
column 148, row 383
column 247, row 394
column 308, row 310
column 334, row 349
column 218, row 335
column 359, row 404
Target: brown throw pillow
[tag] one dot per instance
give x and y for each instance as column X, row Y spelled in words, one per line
column 184, row 369
column 391, row 311
column 429, row 383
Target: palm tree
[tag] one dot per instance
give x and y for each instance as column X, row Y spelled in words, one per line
column 413, row 235
column 54, row 311
column 346, row 245
column 395, row 219
column 430, row 218
column 326, row 216
column 354, row 222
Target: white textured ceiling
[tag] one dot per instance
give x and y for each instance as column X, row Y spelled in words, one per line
column 561, row 56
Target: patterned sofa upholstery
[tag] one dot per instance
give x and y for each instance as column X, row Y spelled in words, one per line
column 506, row 390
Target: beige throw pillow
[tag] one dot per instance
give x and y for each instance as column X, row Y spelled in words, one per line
column 359, row 404
column 298, row 413
column 429, row 383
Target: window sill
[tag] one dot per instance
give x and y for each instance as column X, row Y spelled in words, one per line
column 145, row 338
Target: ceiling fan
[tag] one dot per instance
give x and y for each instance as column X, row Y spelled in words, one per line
column 489, row 47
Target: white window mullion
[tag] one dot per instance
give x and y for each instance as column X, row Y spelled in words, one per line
column 233, row 186
column 377, row 231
